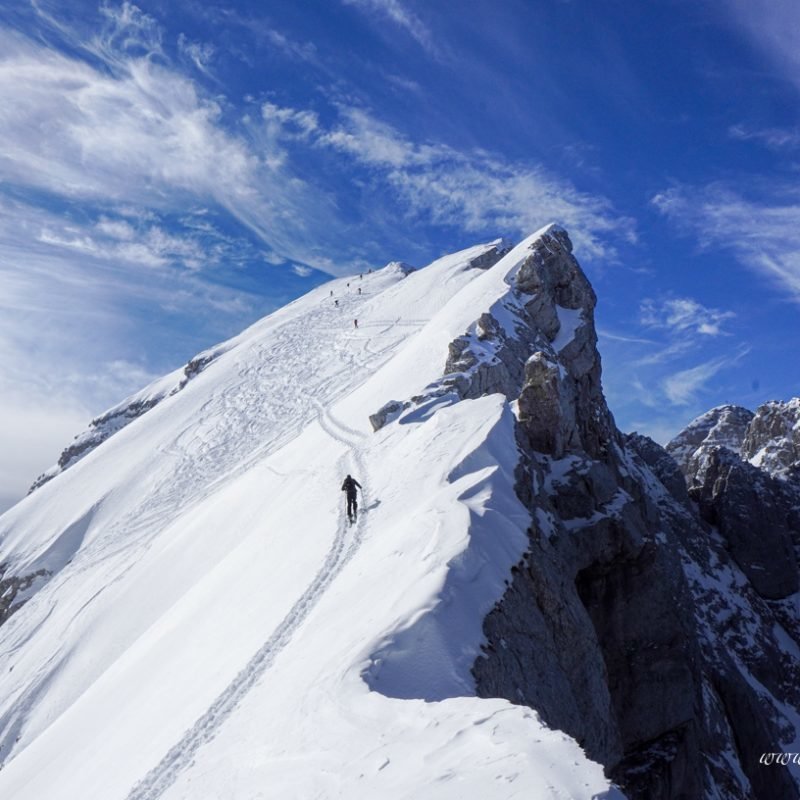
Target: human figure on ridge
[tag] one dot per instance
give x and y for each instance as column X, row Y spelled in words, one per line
column 349, row 486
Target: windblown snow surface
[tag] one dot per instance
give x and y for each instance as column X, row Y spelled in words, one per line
column 213, row 627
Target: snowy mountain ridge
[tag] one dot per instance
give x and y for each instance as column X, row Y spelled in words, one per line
column 188, row 613
column 202, row 548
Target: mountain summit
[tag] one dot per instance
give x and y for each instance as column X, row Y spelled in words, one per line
column 530, row 603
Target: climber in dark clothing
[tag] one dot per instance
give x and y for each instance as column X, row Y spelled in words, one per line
column 349, row 486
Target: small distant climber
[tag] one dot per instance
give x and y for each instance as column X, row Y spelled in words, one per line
column 349, row 486
column 336, row 303
column 355, row 323
column 370, row 270
column 348, row 285
column 331, row 292
column 359, row 290
column 361, row 276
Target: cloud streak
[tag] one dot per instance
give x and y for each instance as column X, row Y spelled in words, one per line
column 773, row 138
column 764, row 235
column 683, row 387
column 683, row 315
column 141, row 134
column 473, row 190
column 400, row 15
column 771, row 27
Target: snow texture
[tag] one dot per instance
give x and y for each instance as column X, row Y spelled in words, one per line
column 210, row 626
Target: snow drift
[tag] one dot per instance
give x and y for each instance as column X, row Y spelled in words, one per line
column 192, row 614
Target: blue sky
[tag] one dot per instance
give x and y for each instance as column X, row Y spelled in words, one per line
column 172, row 171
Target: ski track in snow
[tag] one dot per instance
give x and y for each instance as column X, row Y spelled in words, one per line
column 181, row 755
column 206, row 460
column 242, row 417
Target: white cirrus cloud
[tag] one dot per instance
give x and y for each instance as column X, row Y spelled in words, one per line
column 473, row 190
column 398, row 13
column 771, row 27
column 198, row 53
column 683, row 314
column 773, row 138
column 682, row 388
column 764, row 234
column 140, row 133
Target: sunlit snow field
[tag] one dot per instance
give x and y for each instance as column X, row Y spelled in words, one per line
column 215, row 629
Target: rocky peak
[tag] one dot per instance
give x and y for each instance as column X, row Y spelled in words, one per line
column 772, row 440
column 545, row 358
column 723, row 426
column 610, row 625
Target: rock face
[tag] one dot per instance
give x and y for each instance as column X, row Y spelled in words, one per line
column 113, row 421
column 772, row 439
column 648, row 620
column 755, row 513
column 768, row 439
column 14, row 589
column 723, row 426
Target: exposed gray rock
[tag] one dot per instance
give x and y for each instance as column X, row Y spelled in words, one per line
column 772, row 440
column 633, row 623
column 386, row 413
column 723, row 426
column 113, row 421
column 753, row 511
column 663, row 465
column 14, row 589
column 655, row 624
column 492, row 256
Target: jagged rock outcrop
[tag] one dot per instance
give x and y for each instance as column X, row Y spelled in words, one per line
column 769, row 438
column 114, row 420
column 492, row 255
column 662, row 464
column 772, row 439
column 14, row 589
column 723, row 426
column 754, row 513
column 635, row 623
column 470, row 375
column 741, row 469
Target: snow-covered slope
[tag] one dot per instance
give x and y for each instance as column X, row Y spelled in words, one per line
column 201, row 621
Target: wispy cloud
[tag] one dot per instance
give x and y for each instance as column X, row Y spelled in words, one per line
column 683, row 315
column 473, row 190
column 683, row 387
column 141, row 133
column 400, row 15
column 266, row 34
column 126, row 31
column 773, row 138
column 764, row 234
column 198, row 53
column 771, row 27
